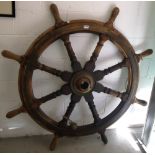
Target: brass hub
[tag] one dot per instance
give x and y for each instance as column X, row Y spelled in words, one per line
column 82, row 83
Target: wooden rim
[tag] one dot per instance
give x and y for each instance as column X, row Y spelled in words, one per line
column 47, row 38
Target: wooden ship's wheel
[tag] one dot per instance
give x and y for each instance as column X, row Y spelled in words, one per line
column 81, row 82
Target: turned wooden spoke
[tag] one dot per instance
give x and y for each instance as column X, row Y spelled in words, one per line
column 100, row 88
column 89, row 99
column 99, row 74
column 76, row 66
column 65, row 90
column 70, row 108
column 64, row 75
column 90, row 65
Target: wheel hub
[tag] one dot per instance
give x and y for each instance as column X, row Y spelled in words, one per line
column 82, row 83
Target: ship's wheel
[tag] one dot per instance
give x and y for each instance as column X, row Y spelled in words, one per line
column 82, row 81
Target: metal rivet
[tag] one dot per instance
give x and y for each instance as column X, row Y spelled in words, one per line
column 86, row 27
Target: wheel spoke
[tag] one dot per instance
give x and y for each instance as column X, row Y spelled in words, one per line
column 89, row 98
column 100, row 88
column 64, row 75
column 76, row 66
column 65, row 90
column 90, row 65
column 99, row 74
column 70, row 108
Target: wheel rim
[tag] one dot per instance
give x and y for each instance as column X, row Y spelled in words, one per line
column 47, row 38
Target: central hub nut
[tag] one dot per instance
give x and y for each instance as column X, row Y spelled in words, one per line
column 82, row 83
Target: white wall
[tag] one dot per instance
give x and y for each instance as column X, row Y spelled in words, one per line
column 136, row 21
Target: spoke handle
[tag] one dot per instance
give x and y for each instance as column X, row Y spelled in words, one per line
column 15, row 112
column 11, row 55
column 56, row 14
column 141, row 102
column 144, row 54
column 113, row 16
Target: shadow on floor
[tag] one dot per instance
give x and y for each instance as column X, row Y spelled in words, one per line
column 118, row 142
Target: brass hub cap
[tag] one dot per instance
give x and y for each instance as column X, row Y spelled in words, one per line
column 82, row 83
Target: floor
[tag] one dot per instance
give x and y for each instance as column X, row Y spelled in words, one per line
column 118, row 142
column 150, row 146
